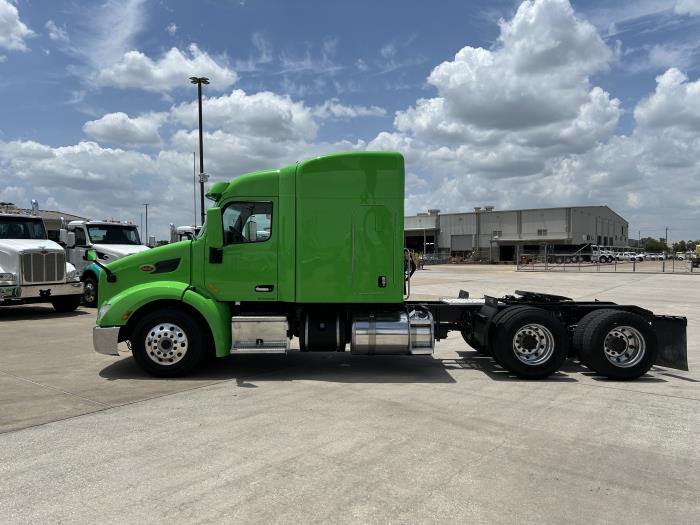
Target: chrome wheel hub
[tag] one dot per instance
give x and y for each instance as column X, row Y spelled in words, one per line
column 533, row 344
column 89, row 291
column 624, row 346
column 166, row 344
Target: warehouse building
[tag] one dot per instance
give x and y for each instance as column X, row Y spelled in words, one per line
column 496, row 235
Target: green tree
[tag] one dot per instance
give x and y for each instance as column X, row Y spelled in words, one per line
column 679, row 246
column 653, row 245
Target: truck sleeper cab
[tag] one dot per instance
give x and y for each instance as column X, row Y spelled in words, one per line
column 314, row 250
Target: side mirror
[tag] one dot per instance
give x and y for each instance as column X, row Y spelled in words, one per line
column 66, row 238
column 252, row 233
column 215, row 231
column 90, row 255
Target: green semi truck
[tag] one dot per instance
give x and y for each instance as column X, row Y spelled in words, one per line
column 315, row 250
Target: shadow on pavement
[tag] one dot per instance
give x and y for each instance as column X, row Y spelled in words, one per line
column 476, row 361
column 347, row 368
column 295, row 366
column 28, row 313
column 488, row 366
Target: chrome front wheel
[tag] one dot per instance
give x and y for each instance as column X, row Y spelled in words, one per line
column 166, row 344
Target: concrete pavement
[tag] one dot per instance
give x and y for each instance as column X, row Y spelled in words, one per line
column 335, row 438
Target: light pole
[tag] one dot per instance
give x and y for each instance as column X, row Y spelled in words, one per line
column 146, row 205
column 202, row 176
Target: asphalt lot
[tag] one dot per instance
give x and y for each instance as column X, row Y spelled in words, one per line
column 334, row 438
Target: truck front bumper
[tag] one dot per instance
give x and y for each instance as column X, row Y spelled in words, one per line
column 37, row 291
column 105, row 340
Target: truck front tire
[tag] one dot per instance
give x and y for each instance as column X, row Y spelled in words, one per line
column 66, row 303
column 529, row 342
column 90, row 291
column 167, row 343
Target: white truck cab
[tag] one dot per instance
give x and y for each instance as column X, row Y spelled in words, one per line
column 33, row 269
column 111, row 240
column 183, row 233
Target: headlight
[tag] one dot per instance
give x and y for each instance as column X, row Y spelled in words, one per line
column 72, row 275
column 103, row 311
column 8, row 277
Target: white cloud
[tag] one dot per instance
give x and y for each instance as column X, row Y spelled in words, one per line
column 109, row 30
column 171, row 28
column 13, row 31
column 263, row 114
column 307, row 63
column 56, row 33
column 521, row 125
column 334, row 109
column 170, row 71
column 687, row 7
column 263, row 54
column 119, row 128
column 242, row 133
column 508, row 111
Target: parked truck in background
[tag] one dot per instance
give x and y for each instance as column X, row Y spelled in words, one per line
column 182, row 233
column 331, row 270
column 111, row 240
column 33, row 269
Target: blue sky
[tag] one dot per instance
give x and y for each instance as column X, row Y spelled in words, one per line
column 541, row 103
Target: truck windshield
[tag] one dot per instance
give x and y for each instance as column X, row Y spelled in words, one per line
column 113, row 234
column 21, row 228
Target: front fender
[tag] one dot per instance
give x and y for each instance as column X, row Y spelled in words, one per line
column 216, row 314
column 128, row 301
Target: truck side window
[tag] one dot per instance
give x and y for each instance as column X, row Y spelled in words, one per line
column 246, row 222
column 80, row 237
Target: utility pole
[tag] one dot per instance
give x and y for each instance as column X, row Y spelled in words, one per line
column 203, row 177
column 146, row 205
column 194, row 186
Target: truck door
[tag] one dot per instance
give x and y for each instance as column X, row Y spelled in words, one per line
column 247, row 269
column 77, row 253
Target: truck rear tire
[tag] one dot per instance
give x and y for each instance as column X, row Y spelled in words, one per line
column 66, row 303
column 167, row 343
column 619, row 345
column 90, row 291
column 529, row 342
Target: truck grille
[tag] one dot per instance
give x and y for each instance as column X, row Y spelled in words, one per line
column 43, row 267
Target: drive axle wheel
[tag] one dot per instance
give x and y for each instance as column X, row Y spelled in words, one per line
column 167, row 343
column 618, row 345
column 530, row 342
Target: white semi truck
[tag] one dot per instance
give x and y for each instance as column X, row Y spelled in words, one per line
column 111, row 240
column 33, row 269
column 183, row 233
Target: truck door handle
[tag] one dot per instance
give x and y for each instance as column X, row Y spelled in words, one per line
column 264, row 288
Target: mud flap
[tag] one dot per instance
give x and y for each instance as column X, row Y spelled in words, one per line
column 672, row 340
